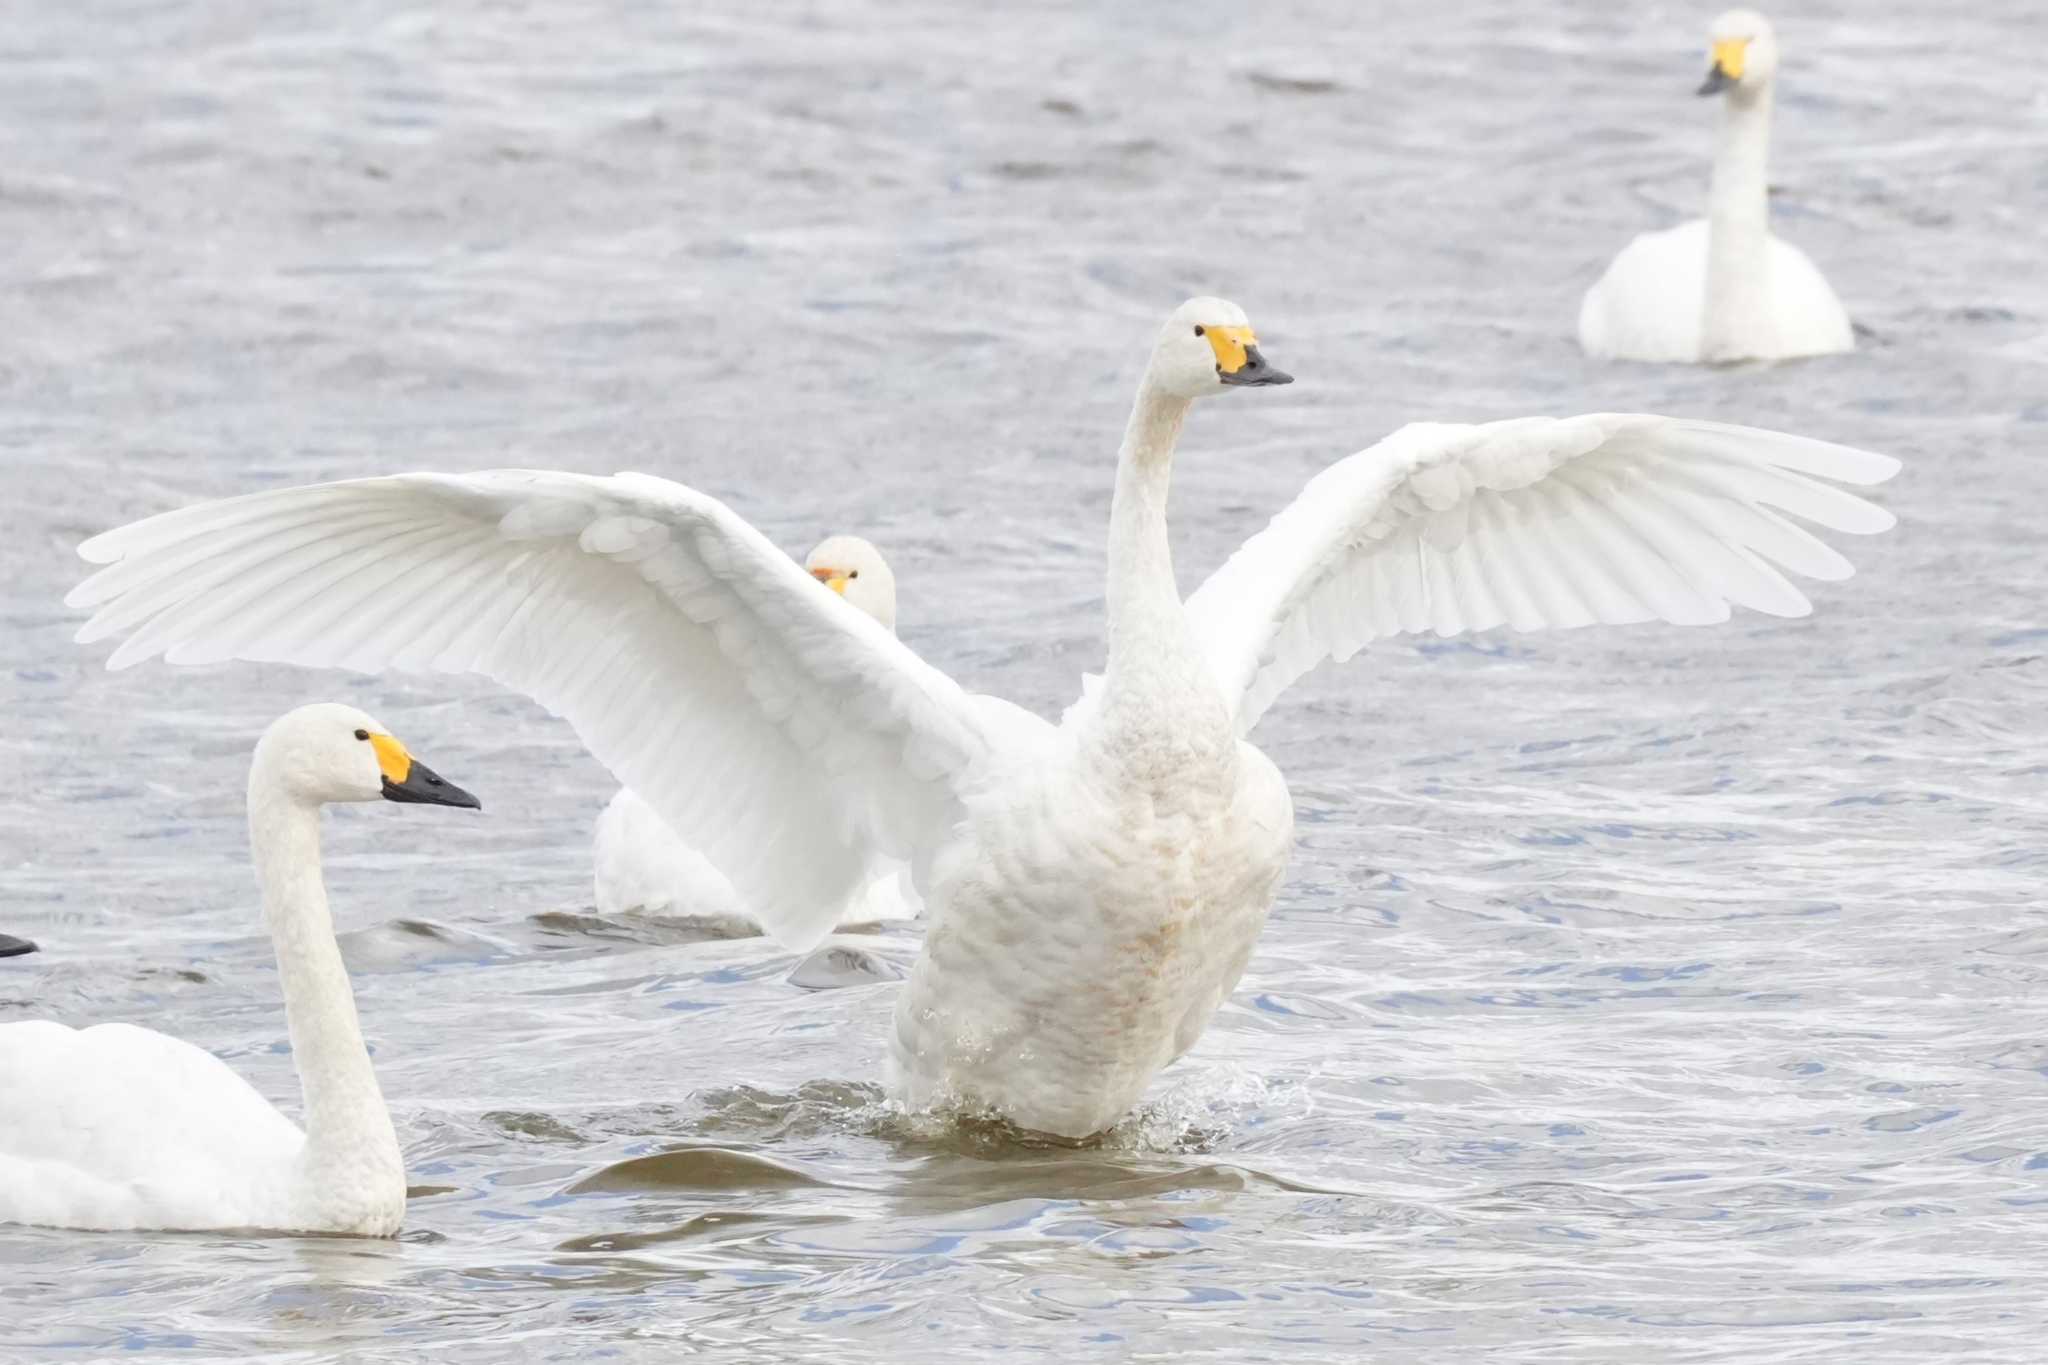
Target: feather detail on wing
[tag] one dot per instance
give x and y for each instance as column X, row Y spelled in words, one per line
column 1529, row 523
column 787, row 736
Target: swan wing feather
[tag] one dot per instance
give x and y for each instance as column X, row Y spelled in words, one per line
column 786, row 736
column 1529, row 523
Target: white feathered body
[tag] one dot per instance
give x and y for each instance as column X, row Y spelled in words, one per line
column 1651, row 304
column 1100, row 902
column 116, row 1127
column 641, row 866
column 644, row 867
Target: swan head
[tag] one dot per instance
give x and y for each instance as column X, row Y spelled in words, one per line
column 1206, row 347
column 1742, row 55
column 856, row 571
column 327, row 753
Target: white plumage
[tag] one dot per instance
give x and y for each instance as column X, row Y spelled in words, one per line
column 786, row 739
column 116, row 1127
column 1723, row 287
column 1529, row 523
column 1094, row 888
column 639, row 865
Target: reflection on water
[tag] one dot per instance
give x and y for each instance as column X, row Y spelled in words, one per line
column 1645, row 994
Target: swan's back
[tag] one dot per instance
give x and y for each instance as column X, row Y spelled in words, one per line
column 1651, row 304
column 1806, row 318
column 1648, row 304
column 118, row 1126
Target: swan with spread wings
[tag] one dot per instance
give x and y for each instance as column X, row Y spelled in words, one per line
column 1094, row 887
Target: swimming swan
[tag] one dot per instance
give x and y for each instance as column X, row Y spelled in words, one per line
column 115, row 1126
column 1093, row 888
column 1721, row 288
column 639, row 863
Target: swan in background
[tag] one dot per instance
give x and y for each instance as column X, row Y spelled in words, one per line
column 1721, row 288
column 116, row 1126
column 1093, row 888
column 640, row 864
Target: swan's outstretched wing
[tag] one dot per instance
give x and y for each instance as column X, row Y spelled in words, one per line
column 1528, row 523
column 786, row 736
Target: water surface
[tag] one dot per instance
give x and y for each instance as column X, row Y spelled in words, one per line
column 1647, row 994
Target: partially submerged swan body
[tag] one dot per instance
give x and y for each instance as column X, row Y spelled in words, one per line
column 1724, row 287
column 1093, row 887
column 641, row 866
column 120, row 1127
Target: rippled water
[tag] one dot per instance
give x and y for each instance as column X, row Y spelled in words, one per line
column 1647, row 994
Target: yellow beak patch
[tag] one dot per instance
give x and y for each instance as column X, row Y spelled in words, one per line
column 834, row 579
column 1229, row 344
column 392, row 759
column 1729, row 57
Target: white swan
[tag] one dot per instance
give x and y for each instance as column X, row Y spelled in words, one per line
column 116, row 1126
column 639, row 863
column 1093, row 888
column 1721, row 288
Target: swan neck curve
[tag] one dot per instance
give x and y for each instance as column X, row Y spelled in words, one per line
column 348, row 1129
column 1738, row 225
column 1143, row 597
column 1162, row 729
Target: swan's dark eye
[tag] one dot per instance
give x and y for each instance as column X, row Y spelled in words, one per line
column 362, row 734
column 853, row 573
column 1198, row 330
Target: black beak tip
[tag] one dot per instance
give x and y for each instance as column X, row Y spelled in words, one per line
column 1716, row 81
column 425, row 787
column 1254, row 373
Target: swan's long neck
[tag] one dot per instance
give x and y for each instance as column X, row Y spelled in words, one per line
column 1738, row 225
column 1158, row 699
column 1144, row 599
column 348, row 1129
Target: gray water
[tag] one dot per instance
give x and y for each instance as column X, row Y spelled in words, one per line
column 1637, row 994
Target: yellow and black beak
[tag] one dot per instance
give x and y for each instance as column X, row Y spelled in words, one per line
column 1728, row 62
column 1238, row 360
column 834, row 579
column 410, row 781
